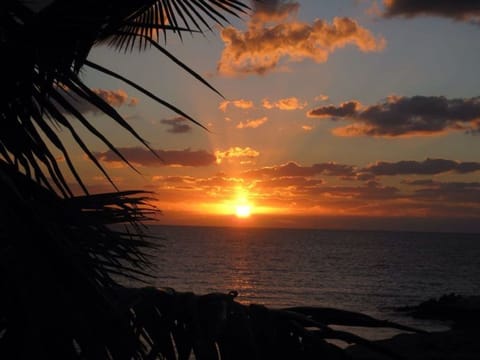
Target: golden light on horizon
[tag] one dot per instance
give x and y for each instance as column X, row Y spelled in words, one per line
column 242, row 207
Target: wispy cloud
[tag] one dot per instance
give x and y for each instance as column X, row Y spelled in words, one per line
column 274, row 36
column 293, row 183
column 294, row 169
column 405, row 116
column 321, row 97
column 253, row 124
column 240, row 103
column 246, row 154
column 291, row 103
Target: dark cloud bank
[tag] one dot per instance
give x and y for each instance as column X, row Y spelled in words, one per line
column 404, row 116
column 144, row 157
column 177, row 125
column 463, row 10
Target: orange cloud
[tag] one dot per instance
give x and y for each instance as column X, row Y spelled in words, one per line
column 116, row 98
column 253, row 124
column 272, row 36
column 296, row 189
column 236, row 152
column 195, row 190
column 293, row 183
column 291, row 169
column 291, row 103
column 241, row 104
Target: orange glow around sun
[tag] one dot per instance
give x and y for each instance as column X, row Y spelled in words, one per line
column 238, row 205
column 243, row 211
column 242, row 207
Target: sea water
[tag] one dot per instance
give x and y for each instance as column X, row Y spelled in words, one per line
column 372, row 272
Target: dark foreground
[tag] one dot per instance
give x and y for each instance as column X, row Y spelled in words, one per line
column 459, row 343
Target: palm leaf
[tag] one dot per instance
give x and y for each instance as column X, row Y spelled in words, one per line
column 164, row 15
column 144, row 91
column 58, row 273
column 42, row 57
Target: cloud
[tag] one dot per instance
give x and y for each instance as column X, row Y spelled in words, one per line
column 360, row 176
column 243, row 154
column 291, row 103
column 313, row 192
column 426, row 167
column 199, row 183
column 345, row 109
column 294, row 188
column 451, row 192
column 144, row 157
column 115, row 98
column 274, row 37
column 273, row 10
column 419, row 182
column 195, row 190
column 178, row 125
column 291, row 182
column 241, row 104
column 462, row 10
column 372, row 190
column 321, row 97
column 253, row 124
column 405, row 116
column 368, row 173
column 293, row 169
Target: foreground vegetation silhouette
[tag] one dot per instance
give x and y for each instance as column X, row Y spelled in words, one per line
column 60, row 257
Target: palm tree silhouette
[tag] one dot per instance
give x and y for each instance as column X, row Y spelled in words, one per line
column 59, row 255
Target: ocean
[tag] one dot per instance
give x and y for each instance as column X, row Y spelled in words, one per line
column 372, row 272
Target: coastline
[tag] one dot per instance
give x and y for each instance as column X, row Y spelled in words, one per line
column 460, row 342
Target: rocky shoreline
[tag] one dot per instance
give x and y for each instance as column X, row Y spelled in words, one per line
column 460, row 342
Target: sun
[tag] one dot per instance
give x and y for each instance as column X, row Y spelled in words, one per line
column 243, row 211
column 241, row 206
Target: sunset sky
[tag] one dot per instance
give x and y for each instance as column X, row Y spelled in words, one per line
column 337, row 114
